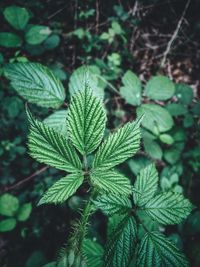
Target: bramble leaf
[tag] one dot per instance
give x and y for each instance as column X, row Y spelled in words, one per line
column 156, row 250
column 111, row 181
column 36, row 83
column 168, row 208
column 47, row 146
column 111, row 204
column 86, row 121
column 93, row 253
column 62, row 189
column 120, row 247
column 146, row 184
column 118, row 147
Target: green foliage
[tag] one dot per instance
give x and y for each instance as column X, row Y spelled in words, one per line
column 160, row 88
column 24, row 212
column 17, row 17
column 118, row 147
column 7, row 225
column 86, row 121
column 93, row 252
column 36, row 34
column 8, row 205
column 131, row 91
column 36, row 83
column 8, row 39
column 57, row 121
column 47, row 146
column 156, row 250
column 62, row 189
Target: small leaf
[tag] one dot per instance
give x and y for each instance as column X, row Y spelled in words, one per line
column 62, row 189
column 111, row 204
column 184, row 93
column 8, row 39
column 156, row 250
column 36, row 34
column 36, row 83
column 176, row 109
column 111, row 181
column 160, row 88
column 58, row 121
column 166, row 138
column 156, row 118
column 146, row 184
column 131, row 91
column 47, row 146
column 120, row 247
column 93, row 253
column 18, row 17
column 86, row 121
column 9, row 205
column 24, row 212
column 118, row 147
column 153, row 148
column 168, row 208
column 7, row 225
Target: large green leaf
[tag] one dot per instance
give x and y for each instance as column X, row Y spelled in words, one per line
column 168, row 208
column 18, row 17
column 8, row 39
column 160, row 88
column 156, row 118
column 47, row 146
column 62, row 189
column 119, row 146
column 121, row 245
column 86, row 121
column 131, row 91
column 36, row 34
column 156, row 250
column 36, row 83
column 9, row 205
column 111, row 204
column 93, row 253
column 58, row 121
column 145, row 185
column 111, row 181
column 86, row 75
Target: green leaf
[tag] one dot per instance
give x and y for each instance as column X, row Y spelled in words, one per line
column 111, row 204
column 160, row 88
column 131, row 91
column 36, row 34
column 119, row 146
column 156, row 250
column 62, row 189
column 184, row 93
column 156, row 118
column 111, row 181
column 9, row 205
column 86, row 121
column 51, row 42
column 168, row 208
column 24, row 212
column 18, row 17
column 121, row 245
column 153, row 148
column 36, row 83
column 145, row 185
column 176, row 109
column 7, row 225
column 8, row 39
column 47, row 146
column 58, row 121
column 86, row 75
column 166, row 138
column 93, row 253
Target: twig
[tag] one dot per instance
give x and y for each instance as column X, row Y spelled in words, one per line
column 174, row 35
column 9, row 188
column 97, row 17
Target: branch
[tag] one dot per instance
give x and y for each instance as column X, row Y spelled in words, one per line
column 174, row 35
column 25, row 180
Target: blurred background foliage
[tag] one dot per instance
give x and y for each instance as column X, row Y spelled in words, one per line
column 135, row 67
